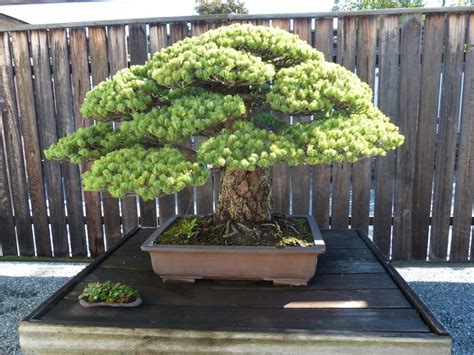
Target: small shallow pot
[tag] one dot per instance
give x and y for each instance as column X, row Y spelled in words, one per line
column 135, row 303
column 283, row 266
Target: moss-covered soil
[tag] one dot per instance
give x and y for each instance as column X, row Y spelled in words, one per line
column 281, row 231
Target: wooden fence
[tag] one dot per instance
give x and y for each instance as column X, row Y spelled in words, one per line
column 420, row 63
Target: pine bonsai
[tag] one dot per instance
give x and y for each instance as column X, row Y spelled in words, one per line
column 229, row 85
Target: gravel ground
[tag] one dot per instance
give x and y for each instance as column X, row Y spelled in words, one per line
column 447, row 291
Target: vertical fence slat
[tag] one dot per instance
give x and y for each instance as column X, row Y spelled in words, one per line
column 99, row 72
column 426, row 134
column 80, row 85
column 405, row 163
column 361, row 171
column 464, row 193
column 341, row 172
column 324, row 42
column 388, row 102
column 301, row 175
column 26, row 105
column 179, row 31
column 280, row 172
column 117, row 57
column 138, row 50
column 46, row 121
column 65, row 125
column 14, row 152
column 7, row 226
column 446, row 152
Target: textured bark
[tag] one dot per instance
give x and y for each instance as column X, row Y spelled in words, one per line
column 244, row 196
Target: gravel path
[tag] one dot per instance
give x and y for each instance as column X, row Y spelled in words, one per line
column 447, row 291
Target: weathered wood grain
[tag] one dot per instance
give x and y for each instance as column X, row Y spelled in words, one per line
column 117, row 57
column 65, row 125
column 138, row 50
column 301, row 176
column 388, row 101
column 407, row 122
column 464, row 193
column 426, row 133
column 341, row 172
column 7, row 225
column 100, row 72
column 448, row 127
column 29, row 129
column 14, row 152
column 80, row 85
column 361, row 170
column 46, row 121
column 324, row 42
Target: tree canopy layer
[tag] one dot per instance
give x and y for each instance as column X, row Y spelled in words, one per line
column 229, row 85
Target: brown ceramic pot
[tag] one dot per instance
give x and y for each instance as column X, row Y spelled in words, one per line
column 283, row 266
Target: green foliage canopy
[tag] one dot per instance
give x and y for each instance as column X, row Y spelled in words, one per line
column 216, row 7
column 347, row 5
column 231, row 86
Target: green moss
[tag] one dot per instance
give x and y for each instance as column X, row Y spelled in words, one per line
column 280, row 232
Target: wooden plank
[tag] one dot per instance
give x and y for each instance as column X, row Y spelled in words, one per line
column 65, row 125
column 446, row 153
column 349, row 267
column 254, row 298
column 100, row 72
column 341, row 172
column 46, row 119
column 117, row 54
column 262, row 319
column 464, row 194
column 80, row 85
column 388, row 102
column 158, row 37
column 7, row 224
column 405, row 163
column 347, row 254
column 280, row 172
column 301, row 176
column 361, row 170
column 185, row 198
column 138, row 50
column 26, row 110
column 318, row 282
column 14, row 152
column 324, row 42
column 426, row 133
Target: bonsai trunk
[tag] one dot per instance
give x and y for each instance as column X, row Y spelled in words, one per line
column 244, row 196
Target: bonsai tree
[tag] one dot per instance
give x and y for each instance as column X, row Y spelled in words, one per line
column 230, row 85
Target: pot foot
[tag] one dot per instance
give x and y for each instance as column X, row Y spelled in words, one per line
column 289, row 282
column 186, row 279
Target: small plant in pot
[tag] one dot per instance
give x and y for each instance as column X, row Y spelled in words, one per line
column 109, row 294
column 232, row 88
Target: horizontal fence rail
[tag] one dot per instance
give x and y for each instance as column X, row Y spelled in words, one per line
column 417, row 202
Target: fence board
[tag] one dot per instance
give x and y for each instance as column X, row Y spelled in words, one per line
column 341, row 172
column 117, row 57
column 446, row 153
column 45, row 115
column 464, row 194
column 65, row 125
column 138, row 50
column 361, row 170
column 80, row 85
column 426, row 134
column 324, row 42
column 26, row 109
column 388, row 99
column 301, row 175
column 7, row 225
column 14, row 152
column 405, row 162
column 99, row 72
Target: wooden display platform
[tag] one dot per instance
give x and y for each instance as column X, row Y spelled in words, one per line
column 357, row 303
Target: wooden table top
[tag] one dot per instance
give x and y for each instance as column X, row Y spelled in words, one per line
column 355, row 290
